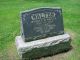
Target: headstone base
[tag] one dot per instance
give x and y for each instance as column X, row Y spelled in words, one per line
column 42, row 47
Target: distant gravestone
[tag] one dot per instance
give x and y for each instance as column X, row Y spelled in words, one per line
column 41, row 23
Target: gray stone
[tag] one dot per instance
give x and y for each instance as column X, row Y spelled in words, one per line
column 41, row 23
column 42, row 47
column 42, row 33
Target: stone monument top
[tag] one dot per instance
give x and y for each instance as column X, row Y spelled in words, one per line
column 41, row 23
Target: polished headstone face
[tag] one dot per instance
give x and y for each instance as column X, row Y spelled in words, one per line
column 41, row 23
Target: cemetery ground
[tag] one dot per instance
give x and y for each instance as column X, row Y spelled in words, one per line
column 10, row 26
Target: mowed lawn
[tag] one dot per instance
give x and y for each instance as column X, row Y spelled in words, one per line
column 10, row 25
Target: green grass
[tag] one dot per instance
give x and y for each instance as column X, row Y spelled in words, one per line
column 10, row 23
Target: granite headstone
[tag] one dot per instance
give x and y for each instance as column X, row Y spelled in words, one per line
column 41, row 23
column 42, row 34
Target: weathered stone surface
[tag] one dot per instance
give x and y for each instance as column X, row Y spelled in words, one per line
column 41, row 23
column 42, row 47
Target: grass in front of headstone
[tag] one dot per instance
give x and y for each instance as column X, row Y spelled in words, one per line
column 10, row 24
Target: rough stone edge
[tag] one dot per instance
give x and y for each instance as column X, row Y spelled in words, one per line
column 23, row 47
column 37, row 53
